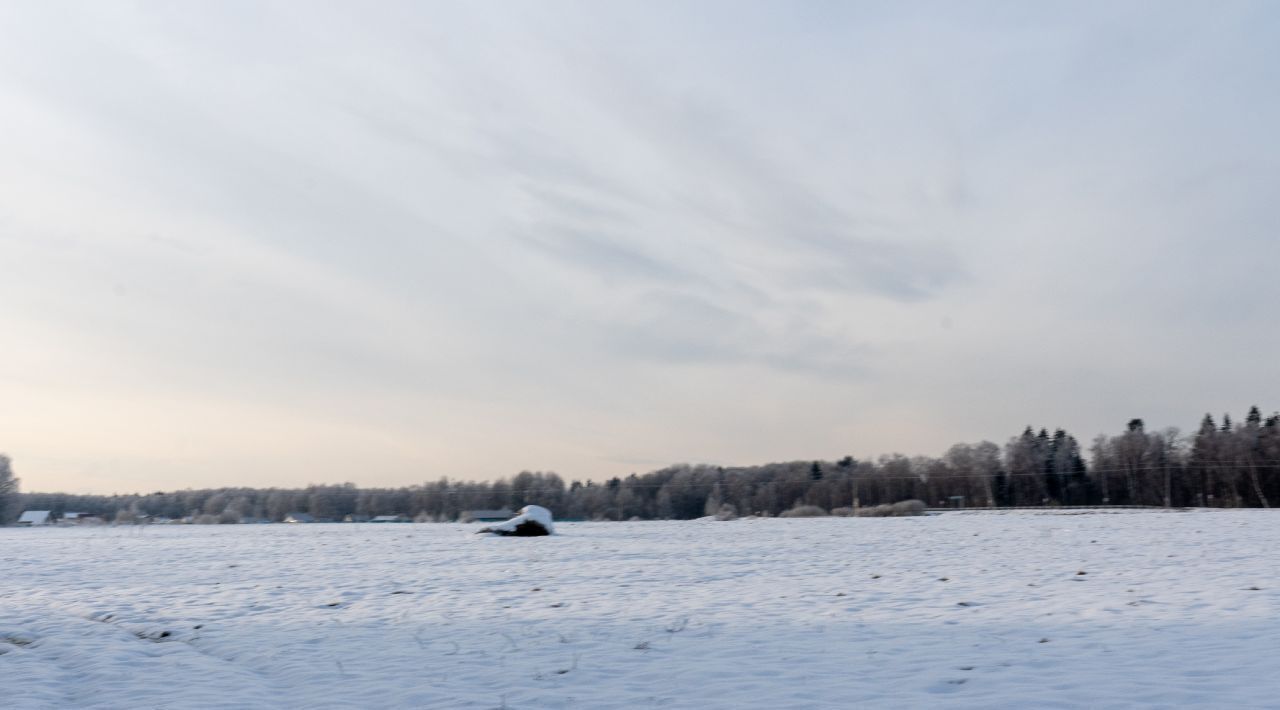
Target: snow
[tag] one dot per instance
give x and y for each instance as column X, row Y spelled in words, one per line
column 528, row 514
column 966, row 610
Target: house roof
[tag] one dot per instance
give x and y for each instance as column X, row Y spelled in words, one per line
column 34, row 516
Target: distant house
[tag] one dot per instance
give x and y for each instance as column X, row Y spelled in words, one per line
column 299, row 518
column 354, row 518
column 35, row 517
column 389, row 519
column 486, row 516
column 81, row 519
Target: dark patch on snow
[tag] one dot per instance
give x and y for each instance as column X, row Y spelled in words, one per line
column 528, row 528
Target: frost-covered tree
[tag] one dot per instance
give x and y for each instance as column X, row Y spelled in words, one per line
column 1131, row 452
column 1025, row 460
column 9, row 502
column 974, row 469
column 714, row 500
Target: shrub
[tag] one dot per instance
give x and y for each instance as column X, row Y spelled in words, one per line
column 877, row 511
column 803, row 511
column 908, row 507
column 727, row 512
column 902, row 508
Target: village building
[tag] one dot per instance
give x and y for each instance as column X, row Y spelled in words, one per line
column 32, row 518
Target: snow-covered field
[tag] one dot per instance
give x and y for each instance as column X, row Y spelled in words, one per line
column 974, row 610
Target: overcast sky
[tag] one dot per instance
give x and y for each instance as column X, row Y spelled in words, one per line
column 254, row 243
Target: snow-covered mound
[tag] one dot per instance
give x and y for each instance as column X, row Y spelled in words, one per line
column 532, row 521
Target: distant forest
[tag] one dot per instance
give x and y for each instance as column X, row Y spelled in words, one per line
column 1226, row 464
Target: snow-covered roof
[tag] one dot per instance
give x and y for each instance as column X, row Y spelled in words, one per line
column 34, row 517
column 386, row 519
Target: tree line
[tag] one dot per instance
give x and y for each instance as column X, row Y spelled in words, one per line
column 1222, row 464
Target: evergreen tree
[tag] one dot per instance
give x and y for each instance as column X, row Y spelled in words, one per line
column 1250, row 449
column 1201, row 464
